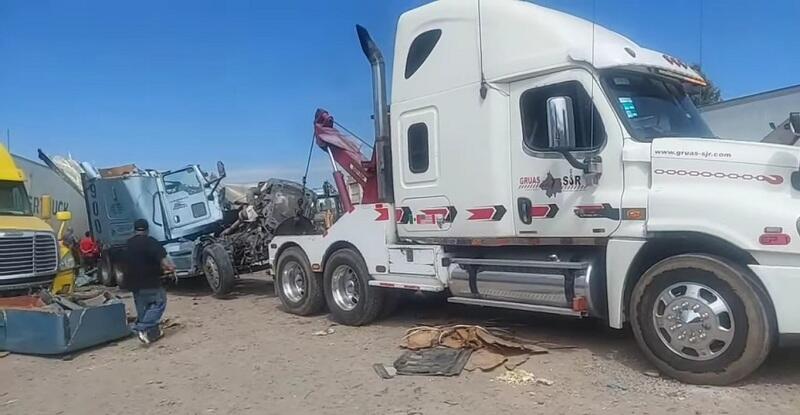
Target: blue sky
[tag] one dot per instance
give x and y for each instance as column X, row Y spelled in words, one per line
column 167, row 83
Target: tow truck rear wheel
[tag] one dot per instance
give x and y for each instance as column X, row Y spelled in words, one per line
column 218, row 269
column 702, row 319
column 351, row 300
column 299, row 288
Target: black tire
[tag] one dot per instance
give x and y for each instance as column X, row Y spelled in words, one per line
column 105, row 271
column 748, row 319
column 370, row 299
column 299, row 288
column 218, row 269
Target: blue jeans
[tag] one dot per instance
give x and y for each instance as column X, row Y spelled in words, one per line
column 150, row 306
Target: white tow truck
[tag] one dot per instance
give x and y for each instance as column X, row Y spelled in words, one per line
column 536, row 161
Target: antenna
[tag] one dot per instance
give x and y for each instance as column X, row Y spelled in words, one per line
column 8, row 139
column 702, row 15
column 483, row 90
column 485, row 85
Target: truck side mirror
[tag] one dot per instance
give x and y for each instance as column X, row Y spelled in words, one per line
column 221, row 172
column 64, row 216
column 794, row 122
column 561, row 135
column 46, row 208
column 560, row 123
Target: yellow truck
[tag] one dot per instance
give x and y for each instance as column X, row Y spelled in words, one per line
column 31, row 254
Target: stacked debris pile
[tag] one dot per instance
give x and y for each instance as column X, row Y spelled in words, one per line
column 491, row 348
column 447, row 350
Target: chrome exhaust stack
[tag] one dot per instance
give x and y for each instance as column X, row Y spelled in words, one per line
column 383, row 149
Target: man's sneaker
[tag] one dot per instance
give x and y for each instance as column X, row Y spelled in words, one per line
column 155, row 333
column 143, row 337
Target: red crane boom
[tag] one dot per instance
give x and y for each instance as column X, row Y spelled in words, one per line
column 346, row 153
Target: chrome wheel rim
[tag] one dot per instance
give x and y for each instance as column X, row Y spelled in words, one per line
column 293, row 281
column 212, row 271
column 105, row 272
column 693, row 321
column 119, row 276
column 345, row 286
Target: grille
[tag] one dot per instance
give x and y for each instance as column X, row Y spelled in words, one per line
column 46, row 254
column 27, row 254
column 182, row 262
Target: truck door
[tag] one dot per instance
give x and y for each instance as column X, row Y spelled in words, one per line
column 185, row 199
column 428, row 211
column 552, row 198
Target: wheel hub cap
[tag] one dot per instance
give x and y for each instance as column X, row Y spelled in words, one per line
column 294, row 282
column 212, row 273
column 344, row 285
column 693, row 321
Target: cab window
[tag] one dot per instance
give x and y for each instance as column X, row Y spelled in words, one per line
column 589, row 131
column 14, row 199
column 421, row 47
column 418, row 157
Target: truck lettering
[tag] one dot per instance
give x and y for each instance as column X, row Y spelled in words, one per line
column 58, row 205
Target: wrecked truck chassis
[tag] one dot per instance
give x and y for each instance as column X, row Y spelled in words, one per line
column 184, row 212
column 202, row 231
column 206, row 256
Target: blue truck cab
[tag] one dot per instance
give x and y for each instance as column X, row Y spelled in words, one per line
column 183, row 208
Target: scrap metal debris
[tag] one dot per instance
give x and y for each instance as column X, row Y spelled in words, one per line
column 86, row 279
column 466, row 336
column 47, row 324
column 515, row 361
column 438, row 361
column 491, row 348
column 485, row 360
column 384, row 371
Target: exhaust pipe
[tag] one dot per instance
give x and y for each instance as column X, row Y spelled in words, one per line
column 383, row 148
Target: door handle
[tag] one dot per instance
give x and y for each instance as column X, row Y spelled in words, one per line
column 524, row 209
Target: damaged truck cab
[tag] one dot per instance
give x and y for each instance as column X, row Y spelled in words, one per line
column 536, row 161
column 183, row 209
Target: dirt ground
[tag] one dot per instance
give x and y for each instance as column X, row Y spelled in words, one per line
column 244, row 355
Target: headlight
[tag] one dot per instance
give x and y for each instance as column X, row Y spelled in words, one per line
column 67, row 262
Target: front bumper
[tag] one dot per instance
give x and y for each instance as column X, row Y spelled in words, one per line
column 783, row 287
column 26, row 283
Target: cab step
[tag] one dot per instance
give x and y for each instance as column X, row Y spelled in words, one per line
column 517, row 306
column 522, row 263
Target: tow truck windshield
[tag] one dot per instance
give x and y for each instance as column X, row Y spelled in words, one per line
column 14, row 199
column 653, row 107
